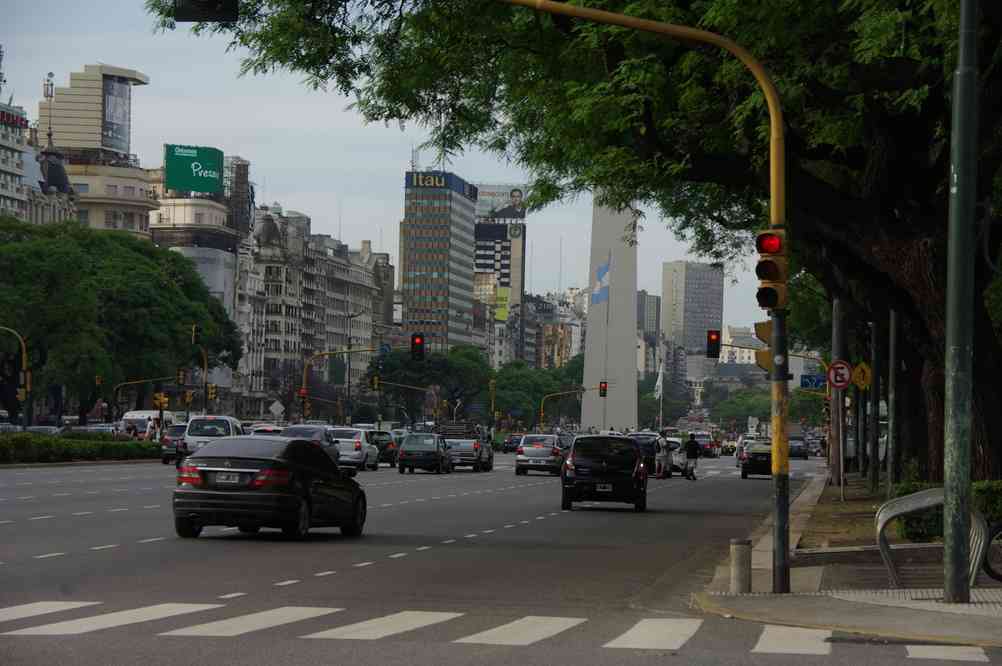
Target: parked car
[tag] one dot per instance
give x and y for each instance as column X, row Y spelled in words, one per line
column 604, row 468
column 202, row 430
column 757, row 459
column 540, row 453
column 255, row 482
column 424, row 450
column 512, row 442
column 648, row 442
column 470, row 453
column 357, row 448
column 173, row 435
column 798, row 449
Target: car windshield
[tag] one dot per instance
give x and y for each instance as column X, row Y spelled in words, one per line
column 538, row 440
column 209, row 428
column 461, row 443
column 306, row 432
column 176, row 430
column 243, row 447
column 419, row 443
column 347, row 433
column 590, row 447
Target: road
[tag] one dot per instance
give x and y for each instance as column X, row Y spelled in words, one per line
column 452, row 569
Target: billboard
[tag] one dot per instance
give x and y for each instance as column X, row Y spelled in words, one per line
column 440, row 180
column 116, row 117
column 193, row 168
column 501, row 201
column 502, row 298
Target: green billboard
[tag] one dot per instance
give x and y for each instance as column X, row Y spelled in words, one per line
column 193, row 168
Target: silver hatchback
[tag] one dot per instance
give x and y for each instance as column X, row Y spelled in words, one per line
column 356, row 448
column 540, row 453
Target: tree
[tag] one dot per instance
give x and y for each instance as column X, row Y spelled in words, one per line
column 866, row 90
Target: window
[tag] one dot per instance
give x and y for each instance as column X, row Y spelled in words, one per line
column 111, row 190
column 129, row 221
column 81, row 188
column 84, row 216
column 129, row 190
column 199, row 217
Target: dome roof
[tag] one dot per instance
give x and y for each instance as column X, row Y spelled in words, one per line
column 267, row 232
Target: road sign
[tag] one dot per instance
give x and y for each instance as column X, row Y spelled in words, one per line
column 839, row 374
column 384, row 349
column 815, row 382
column 861, row 376
column 276, row 409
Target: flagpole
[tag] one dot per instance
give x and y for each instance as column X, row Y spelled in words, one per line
column 605, row 362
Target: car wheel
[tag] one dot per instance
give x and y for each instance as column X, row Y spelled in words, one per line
column 448, row 470
column 518, row 472
column 566, row 503
column 438, row 470
column 300, row 529
column 744, row 473
column 354, row 527
column 187, row 528
column 410, row 470
column 401, row 469
column 641, row 504
column 393, row 463
column 476, row 467
column 165, row 460
column 249, row 529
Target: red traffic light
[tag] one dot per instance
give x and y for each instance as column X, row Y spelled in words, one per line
column 603, row 389
column 769, row 243
column 418, row 339
column 712, row 343
column 302, row 392
column 713, row 336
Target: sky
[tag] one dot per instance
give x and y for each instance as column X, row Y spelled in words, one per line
column 308, row 150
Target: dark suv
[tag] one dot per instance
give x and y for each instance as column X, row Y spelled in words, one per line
column 424, row 450
column 604, row 468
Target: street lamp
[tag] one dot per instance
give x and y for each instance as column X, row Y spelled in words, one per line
column 456, row 409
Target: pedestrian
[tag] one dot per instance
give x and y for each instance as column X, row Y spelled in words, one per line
column 663, row 455
column 150, row 428
column 691, row 457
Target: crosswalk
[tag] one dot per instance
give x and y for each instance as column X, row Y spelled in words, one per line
column 676, row 634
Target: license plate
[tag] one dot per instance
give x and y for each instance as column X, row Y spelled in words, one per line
column 227, row 477
column 603, row 487
column 538, row 462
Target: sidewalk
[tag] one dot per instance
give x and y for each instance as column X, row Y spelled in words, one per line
column 841, row 585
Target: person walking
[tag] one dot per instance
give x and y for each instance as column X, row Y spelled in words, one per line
column 663, row 456
column 691, row 456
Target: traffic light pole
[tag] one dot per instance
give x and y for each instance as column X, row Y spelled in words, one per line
column 780, row 456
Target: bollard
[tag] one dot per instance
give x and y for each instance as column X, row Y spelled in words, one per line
column 741, row 566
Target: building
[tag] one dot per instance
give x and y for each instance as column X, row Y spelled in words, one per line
column 692, row 300
column 383, row 279
column 50, row 197
column 91, row 123
column 500, row 263
column 648, row 314
column 13, row 145
column 738, row 345
column 437, row 258
column 238, row 194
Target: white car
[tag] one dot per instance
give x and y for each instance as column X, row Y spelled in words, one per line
column 677, row 453
column 203, row 429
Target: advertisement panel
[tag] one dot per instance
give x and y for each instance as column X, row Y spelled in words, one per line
column 116, row 118
column 193, row 168
column 503, row 201
column 501, row 303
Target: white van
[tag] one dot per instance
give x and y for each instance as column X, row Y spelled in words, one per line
column 139, row 418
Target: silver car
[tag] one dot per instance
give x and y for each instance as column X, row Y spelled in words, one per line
column 357, row 448
column 541, row 453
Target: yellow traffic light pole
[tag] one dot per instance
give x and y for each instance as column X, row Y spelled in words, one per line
column 777, row 221
column 542, row 401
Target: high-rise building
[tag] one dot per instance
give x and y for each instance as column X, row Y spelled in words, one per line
column 238, row 194
column 692, row 302
column 13, row 144
column 437, row 258
column 648, row 314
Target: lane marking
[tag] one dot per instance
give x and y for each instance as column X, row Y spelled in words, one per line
column 26, row 497
column 40, row 608
column 793, row 640
column 524, row 631
column 243, row 624
column 657, row 635
column 362, row 564
column 449, row 541
column 284, row 583
column 5, row 522
column 397, row 555
column 487, row 531
column 48, row 555
column 324, row 573
column 419, row 548
column 61, row 494
column 83, row 513
column 109, row 620
column 509, row 526
column 152, row 506
column 40, row 517
column 232, row 595
column 151, row 540
column 389, row 625
column 104, row 547
column 947, row 653
column 121, row 508
column 470, row 536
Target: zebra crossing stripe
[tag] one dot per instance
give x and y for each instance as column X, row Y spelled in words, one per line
column 947, row 653
column 109, row 620
column 243, row 624
column 40, row 608
column 657, row 635
column 381, row 627
column 525, row 631
column 793, row 640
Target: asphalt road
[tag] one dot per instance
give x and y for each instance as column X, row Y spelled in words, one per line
column 452, row 569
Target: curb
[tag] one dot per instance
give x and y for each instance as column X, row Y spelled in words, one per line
column 79, row 463
column 704, row 602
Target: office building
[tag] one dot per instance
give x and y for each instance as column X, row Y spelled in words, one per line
column 648, row 314
column 13, row 144
column 437, row 258
column 692, row 302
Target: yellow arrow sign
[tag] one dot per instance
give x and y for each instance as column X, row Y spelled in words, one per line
column 861, row 376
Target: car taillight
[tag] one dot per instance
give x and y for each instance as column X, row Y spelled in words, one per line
column 271, row 478
column 520, row 451
column 476, row 446
column 358, row 445
column 569, row 466
column 391, row 445
column 188, row 475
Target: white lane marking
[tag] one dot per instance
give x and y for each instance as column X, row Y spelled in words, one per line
column 487, row 531
column 93, row 492
column 451, row 495
column 109, row 620
column 243, row 624
column 470, row 536
column 104, row 547
column 524, row 522
column 419, row 500
column 395, row 556
column 230, row 529
column 48, row 555
column 540, row 517
column 657, row 635
column 6, row 522
column 524, row 631
column 381, row 627
column 385, row 505
column 404, row 502
column 152, row 506
column 947, row 652
column 420, row 548
column 436, row 498
column 509, row 526
column 232, row 595
column 793, row 640
column 121, row 508
column 82, row 513
column 40, row 608
column 61, row 494
column 324, row 573
column 449, row 541
column 40, row 517
column 362, row 564
column 291, row 581
column 714, row 473
column 151, row 539
column 25, row 497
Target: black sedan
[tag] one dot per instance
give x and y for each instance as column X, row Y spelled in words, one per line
column 424, row 450
column 756, row 459
column 604, row 468
column 254, row 482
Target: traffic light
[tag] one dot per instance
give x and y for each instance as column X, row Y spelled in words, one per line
column 763, row 357
column 22, row 394
column 195, row 330
column 189, row 396
column 417, row 346
column 603, row 389
column 713, row 343
column 210, row 391
column 375, row 382
column 771, row 269
column 160, row 400
column 182, row 377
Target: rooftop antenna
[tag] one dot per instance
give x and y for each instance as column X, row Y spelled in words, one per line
column 49, row 91
column 3, row 79
column 380, row 238
column 340, row 221
column 415, row 158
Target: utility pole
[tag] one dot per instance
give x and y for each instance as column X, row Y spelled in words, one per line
column 892, row 384
column 836, row 407
column 874, row 421
column 857, row 421
column 347, row 374
column 959, row 311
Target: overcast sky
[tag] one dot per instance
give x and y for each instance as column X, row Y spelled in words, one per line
column 307, row 150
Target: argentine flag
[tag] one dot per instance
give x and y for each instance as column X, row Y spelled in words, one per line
column 600, row 291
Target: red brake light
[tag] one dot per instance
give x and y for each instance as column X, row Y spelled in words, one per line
column 358, row 445
column 520, row 451
column 476, row 446
column 271, row 477
column 188, row 475
column 391, row 445
column 555, row 451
